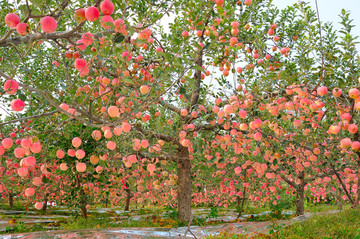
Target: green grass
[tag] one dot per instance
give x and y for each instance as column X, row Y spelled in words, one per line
column 21, row 227
column 18, row 206
column 255, row 210
column 82, row 223
column 94, row 221
column 345, row 224
column 325, row 207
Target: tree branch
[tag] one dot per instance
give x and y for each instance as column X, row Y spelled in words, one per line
column 29, row 117
column 287, row 180
column 49, row 36
column 160, row 157
column 164, row 137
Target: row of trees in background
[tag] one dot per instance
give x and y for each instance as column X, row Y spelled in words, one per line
column 177, row 103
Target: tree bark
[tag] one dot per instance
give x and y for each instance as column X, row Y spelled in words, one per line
column 45, row 203
column 243, row 199
column 11, row 199
column 238, row 199
column 83, row 203
column 241, row 202
column 128, row 197
column 184, row 185
column 82, row 198
column 300, row 195
column 240, row 206
column 84, row 211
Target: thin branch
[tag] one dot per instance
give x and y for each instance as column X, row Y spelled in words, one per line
column 29, row 117
column 53, row 102
column 164, row 137
column 287, row 180
column 342, row 183
column 160, row 157
column 317, row 176
column 170, row 106
column 49, row 36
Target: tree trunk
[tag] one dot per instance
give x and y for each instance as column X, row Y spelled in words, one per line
column 82, row 198
column 128, row 197
column 241, row 202
column 84, row 211
column 11, row 199
column 184, row 185
column 83, row 203
column 240, row 206
column 106, row 202
column 300, row 195
column 45, row 203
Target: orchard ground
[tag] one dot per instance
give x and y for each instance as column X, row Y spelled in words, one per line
column 151, row 222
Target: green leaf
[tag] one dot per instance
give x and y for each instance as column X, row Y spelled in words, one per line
column 21, row 96
column 119, row 38
column 36, row 2
column 24, row 10
column 199, row 68
column 45, row 180
column 182, row 90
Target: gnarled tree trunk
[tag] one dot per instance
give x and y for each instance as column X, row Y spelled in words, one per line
column 128, row 198
column 300, row 195
column 106, row 202
column 82, row 197
column 240, row 205
column 11, row 199
column 184, row 185
column 45, row 202
column 84, row 211
column 241, row 201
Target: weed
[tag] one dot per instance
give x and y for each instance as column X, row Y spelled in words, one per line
column 214, row 213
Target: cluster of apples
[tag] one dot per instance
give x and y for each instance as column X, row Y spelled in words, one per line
column 48, row 24
column 11, row 87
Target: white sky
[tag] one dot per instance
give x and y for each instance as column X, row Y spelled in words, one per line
column 329, row 11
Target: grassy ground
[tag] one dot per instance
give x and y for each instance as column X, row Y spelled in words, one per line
column 17, row 206
column 325, row 207
column 345, row 224
column 154, row 217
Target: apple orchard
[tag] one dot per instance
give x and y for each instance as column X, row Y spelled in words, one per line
column 177, row 103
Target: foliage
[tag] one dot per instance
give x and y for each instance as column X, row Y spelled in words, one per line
column 230, row 104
